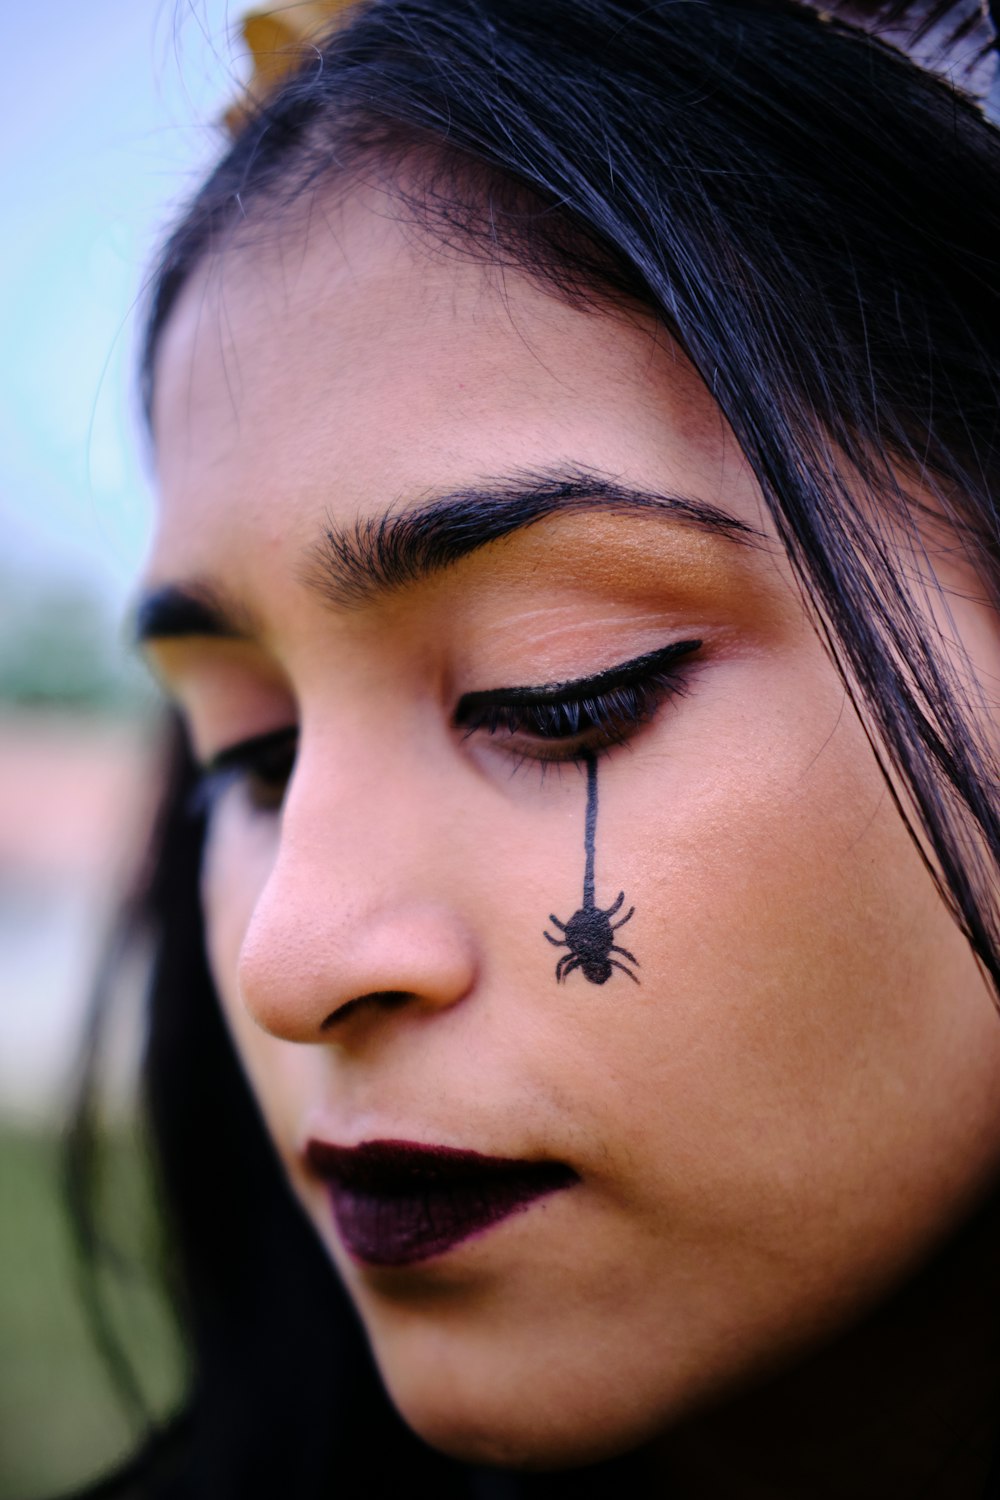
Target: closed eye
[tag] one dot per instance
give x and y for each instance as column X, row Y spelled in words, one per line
column 262, row 766
column 564, row 721
column 567, row 721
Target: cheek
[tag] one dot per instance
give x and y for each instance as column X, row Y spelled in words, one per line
column 808, row 1072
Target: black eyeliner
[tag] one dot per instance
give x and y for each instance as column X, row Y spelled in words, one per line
column 568, row 692
column 232, row 764
column 235, row 755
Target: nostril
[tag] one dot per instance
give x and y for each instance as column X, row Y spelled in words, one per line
column 381, row 999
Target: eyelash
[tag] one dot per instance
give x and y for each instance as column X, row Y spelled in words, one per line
column 577, row 721
column 261, row 766
column 568, row 722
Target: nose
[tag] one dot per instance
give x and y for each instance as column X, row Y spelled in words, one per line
column 361, row 911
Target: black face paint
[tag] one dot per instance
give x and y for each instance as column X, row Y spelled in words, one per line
column 590, row 932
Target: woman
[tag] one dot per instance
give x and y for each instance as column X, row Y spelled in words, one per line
column 577, row 434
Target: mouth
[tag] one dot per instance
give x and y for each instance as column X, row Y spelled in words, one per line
column 396, row 1203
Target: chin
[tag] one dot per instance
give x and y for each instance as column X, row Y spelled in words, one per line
column 534, row 1420
column 514, row 1439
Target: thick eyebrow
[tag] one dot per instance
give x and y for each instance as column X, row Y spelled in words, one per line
column 175, row 610
column 351, row 566
column 378, row 555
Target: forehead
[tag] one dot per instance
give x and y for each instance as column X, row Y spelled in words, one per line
column 350, row 363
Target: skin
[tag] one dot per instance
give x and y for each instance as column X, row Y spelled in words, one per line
column 779, row 1127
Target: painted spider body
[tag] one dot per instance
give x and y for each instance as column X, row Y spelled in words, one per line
column 589, row 936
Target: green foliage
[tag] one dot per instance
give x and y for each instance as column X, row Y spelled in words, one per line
column 60, row 648
column 60, row 1421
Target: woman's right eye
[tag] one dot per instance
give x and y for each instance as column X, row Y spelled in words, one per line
column 261, row 767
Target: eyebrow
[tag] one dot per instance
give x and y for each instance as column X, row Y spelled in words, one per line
column 379, row 555
column 349, row 567
column 175, row 610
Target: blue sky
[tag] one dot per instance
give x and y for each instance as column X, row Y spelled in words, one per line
column 108, row 120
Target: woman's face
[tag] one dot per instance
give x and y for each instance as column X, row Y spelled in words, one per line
column 414, row 508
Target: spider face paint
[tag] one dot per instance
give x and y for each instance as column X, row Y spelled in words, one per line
column 590, row 933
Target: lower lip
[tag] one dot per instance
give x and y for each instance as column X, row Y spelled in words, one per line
column 423, row 1207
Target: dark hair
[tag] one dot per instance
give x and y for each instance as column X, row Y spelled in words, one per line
column 815, row 220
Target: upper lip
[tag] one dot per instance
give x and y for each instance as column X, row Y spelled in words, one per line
column 389, row 1167
column 396, row 1203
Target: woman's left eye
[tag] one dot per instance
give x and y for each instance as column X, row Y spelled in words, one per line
column 572, row 720
column 261, row 767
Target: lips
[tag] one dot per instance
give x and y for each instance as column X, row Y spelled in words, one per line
column 396, row 1203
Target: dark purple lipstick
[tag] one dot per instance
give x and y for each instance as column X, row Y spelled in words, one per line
column 396, row 1203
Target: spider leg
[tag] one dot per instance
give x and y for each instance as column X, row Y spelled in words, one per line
column 630, row 956
column 615, row 905
column 616, row 965
column 556, row 942
column 567, row 963
column 630, row 913
column 556, row 923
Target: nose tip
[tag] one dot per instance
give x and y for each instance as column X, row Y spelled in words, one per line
column 305, row 976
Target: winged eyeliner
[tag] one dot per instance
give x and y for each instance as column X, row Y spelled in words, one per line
column 568, row 692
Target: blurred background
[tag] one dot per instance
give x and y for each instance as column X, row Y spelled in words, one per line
column 109, row 117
